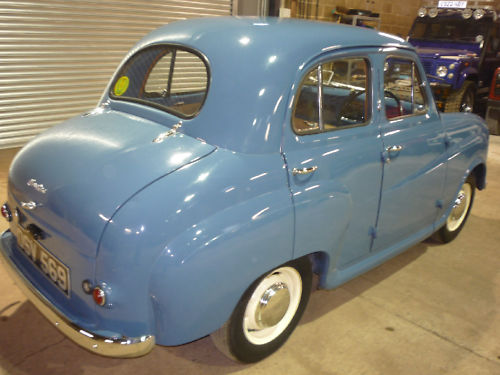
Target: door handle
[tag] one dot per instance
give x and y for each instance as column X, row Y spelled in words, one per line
column 29, row 205
column 296, row 171
column 394, row 148
column 386, row 156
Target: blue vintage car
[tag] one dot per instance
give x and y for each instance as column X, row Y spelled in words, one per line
column 228, row 161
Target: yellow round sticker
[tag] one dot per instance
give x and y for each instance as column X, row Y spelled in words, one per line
column 121, row 85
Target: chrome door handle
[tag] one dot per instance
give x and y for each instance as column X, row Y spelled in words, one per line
column 394, row 148
column 29, row 205
column 296, row 171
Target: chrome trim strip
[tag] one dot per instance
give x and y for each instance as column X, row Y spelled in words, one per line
column 124, row 347
column 320, row 98
column 35, row 185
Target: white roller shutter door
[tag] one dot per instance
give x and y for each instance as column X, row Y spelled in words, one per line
column 56, row 57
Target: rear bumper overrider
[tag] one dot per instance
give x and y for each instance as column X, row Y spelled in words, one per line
column 123, row 347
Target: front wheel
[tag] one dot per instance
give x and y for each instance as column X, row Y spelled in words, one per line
column 267, row 313
column 463, row 99
column 460, row 211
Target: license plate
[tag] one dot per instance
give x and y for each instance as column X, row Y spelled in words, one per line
column 48, row 264
column 452, row 4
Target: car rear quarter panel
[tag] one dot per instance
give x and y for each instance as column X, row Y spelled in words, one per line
column 179, row 255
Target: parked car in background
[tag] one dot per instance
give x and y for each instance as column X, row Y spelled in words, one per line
column 228, row 161
column 493, row 108
column 458, row 43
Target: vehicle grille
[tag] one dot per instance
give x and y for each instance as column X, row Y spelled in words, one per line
column 428, row 66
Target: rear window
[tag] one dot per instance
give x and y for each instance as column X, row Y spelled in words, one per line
column 167, row 77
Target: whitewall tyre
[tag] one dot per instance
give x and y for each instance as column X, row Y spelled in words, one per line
column 267, row 313
column 460, row 211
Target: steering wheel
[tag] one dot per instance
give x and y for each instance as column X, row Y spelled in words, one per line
column 390, row 94
column 349, row 111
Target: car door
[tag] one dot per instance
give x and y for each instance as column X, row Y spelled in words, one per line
column 332, row 150
column 414, row 155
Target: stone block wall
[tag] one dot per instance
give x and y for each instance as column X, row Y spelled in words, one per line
column 396, row 15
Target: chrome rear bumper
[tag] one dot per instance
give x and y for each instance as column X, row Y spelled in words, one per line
column 124, row 347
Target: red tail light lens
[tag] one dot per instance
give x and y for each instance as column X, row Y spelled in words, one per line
column 99, row 296
column 6, row 212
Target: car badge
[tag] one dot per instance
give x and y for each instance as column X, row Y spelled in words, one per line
column 38, row 187
column 161, row 137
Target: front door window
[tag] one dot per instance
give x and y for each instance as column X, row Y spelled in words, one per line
column 403, row 93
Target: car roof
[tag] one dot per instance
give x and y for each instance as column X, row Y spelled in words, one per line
column 253, row 64
column 213, row 34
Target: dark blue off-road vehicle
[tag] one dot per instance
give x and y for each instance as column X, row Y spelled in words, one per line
column 458, row 43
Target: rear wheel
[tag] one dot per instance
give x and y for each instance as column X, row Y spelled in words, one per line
column 267, row 313
column 462, row 100
column 460, row 211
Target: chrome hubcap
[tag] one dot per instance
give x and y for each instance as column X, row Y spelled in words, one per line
column 459, row 210
column 468, row 103
column 273, row 305
column 466, row 107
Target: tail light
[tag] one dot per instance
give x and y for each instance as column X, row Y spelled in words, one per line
column 6, row 212
column 99, row 296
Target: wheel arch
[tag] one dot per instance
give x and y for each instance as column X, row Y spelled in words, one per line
column 479, row 173
column 198, row 279
column 320, row 262
column 468, row 74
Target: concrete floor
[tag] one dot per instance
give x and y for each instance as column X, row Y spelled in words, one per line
column 433, row 310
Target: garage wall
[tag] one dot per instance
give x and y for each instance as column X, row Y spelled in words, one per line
column 56, row 57
column 396, row 16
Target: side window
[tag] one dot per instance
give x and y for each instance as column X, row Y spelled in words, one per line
column 333, row 96
column 403, row 92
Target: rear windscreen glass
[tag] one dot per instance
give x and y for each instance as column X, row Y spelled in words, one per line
column 167, row 77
